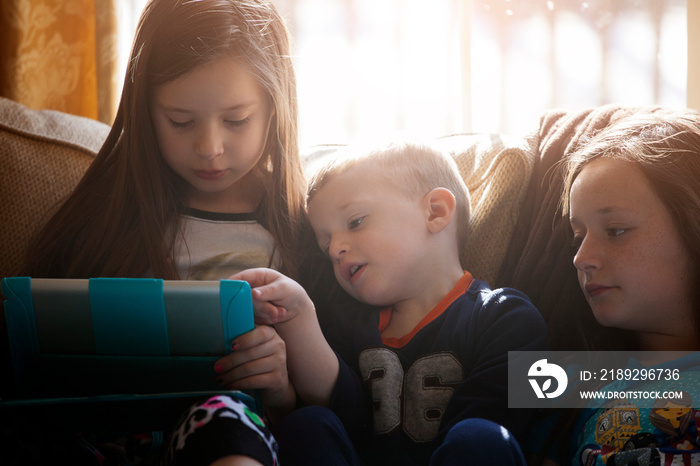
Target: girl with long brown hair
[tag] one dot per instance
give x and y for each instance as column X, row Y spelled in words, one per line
column 632, row 196
column 200, row 177
column 129, row 215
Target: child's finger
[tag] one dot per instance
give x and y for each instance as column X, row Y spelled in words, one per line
column 254, row 353
column 270, row 291
column 267, row 313
column 258, row 336
column 256, row 277
column 280, row 292
column 255, row 338
column 266, row 284
column 263, row 362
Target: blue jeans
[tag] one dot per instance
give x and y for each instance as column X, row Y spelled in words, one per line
column 478, row 441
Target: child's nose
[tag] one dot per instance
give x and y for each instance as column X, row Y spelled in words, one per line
column 588, row 254
column 210, row 142
column 337, row 249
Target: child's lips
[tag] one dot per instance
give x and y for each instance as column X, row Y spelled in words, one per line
column 210, row 174
column 351, row 272
column 595, row 289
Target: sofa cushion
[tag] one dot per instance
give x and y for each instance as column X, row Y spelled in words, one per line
column 44, row 153
column 496, row 169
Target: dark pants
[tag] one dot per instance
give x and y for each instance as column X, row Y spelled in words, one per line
column 478, row 441
column 314, row 436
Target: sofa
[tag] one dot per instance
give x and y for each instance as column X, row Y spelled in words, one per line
column 517, row 237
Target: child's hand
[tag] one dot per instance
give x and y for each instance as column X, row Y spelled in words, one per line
column 276, row 298
column 313, row 365
column 258, row 361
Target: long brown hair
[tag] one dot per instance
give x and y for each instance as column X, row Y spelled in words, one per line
column 122, row 219
column 665, row 145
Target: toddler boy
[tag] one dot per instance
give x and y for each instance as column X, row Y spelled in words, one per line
column 426, row 376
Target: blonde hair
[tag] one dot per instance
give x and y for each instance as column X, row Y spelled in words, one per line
column 412, row 167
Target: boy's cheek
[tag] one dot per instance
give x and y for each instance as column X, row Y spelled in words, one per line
column 338, row 275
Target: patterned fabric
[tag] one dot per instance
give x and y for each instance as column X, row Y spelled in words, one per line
column 219, row 427
column 60, row 55
column 628, row 433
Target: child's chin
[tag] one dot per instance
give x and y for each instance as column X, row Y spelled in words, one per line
column 606, row 318
column 363, row 297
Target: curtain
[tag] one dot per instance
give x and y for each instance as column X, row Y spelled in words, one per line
column 60, row 55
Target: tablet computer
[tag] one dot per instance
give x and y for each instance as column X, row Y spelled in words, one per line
column 120, row 341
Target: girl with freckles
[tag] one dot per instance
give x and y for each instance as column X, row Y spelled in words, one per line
column 633, row 200
column 632, row 195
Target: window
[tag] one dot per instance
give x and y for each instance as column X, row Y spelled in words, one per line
column 371, row 67
column 531, row 55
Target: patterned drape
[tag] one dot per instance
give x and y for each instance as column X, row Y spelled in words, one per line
column 60, row 55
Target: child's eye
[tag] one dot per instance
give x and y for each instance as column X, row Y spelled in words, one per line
column 616, row 231
column 356, row 222
column 179, row 124
column 237, row 123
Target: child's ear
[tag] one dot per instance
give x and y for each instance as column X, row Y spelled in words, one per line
column 441, row 209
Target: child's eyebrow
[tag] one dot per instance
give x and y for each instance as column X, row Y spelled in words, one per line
column 355, row 200
column 614, row 209
column 175, row 109
column 604, row 212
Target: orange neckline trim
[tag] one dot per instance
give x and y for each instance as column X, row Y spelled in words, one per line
column 385, row 314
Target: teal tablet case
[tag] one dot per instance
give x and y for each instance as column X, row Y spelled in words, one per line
column 141, row 346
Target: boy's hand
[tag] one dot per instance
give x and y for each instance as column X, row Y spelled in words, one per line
column 280, row 301
column 276, row 298
column 258, row 361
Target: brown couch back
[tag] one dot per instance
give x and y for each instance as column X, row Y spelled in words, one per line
column 44, row 153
